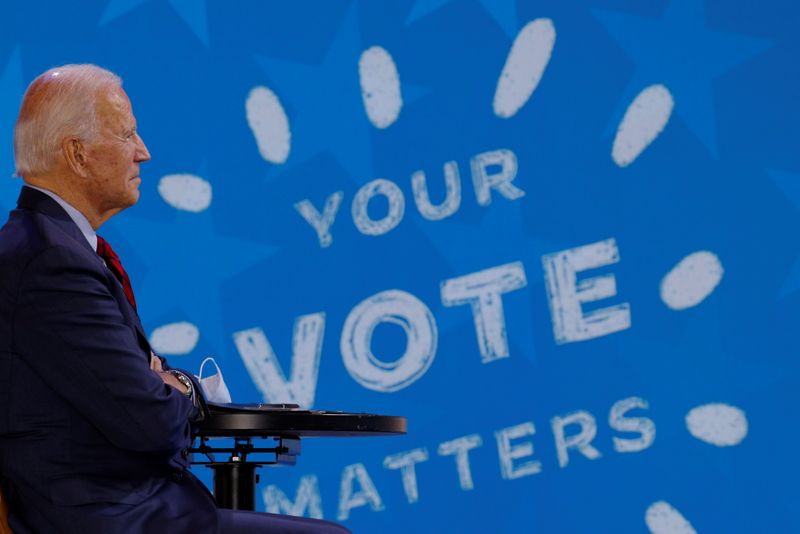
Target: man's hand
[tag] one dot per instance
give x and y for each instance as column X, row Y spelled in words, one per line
column 166, row 376
column 155, row 363
column 170, row 380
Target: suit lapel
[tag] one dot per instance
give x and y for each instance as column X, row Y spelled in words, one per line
column 131, row 315
column 33, row 200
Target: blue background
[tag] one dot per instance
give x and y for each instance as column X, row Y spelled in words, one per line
column 723, row 176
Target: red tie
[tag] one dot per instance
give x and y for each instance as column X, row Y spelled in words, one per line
column 105, row 251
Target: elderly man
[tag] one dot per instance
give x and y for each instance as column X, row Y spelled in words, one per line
column 94, row 427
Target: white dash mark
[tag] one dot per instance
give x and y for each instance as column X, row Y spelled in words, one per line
column 185, row 192
column 662, row 518
column 270, row 126
column 644, row 120
column 380, row 86
column 692, row 280
column 524, row 67
column 719, row 424
column 175, row 338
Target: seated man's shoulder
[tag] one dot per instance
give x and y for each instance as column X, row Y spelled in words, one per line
column 29, row 238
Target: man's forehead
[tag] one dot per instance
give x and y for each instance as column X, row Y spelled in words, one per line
column 115, row 97
column 113, row 104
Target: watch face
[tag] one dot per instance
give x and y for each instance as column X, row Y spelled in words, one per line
column 185, row 381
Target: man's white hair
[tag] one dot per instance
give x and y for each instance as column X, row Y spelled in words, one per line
column 59, row 103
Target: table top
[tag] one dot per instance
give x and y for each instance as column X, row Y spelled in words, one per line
column 288, row 420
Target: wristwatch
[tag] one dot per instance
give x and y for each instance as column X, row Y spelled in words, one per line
column 183, row 380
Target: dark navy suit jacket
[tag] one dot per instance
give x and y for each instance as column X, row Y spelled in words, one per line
column 91, row 440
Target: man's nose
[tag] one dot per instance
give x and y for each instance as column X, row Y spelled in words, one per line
column 142, row 154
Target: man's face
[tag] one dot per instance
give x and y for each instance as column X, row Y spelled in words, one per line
column 115, row 154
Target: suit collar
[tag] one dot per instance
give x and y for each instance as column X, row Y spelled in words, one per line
column 33, row 200
column 77, row 217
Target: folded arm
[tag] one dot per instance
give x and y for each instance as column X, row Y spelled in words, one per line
column 68, row 327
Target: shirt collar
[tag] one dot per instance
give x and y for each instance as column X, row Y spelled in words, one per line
column 77, row 217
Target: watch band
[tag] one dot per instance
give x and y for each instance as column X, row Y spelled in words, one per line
column 183, row 380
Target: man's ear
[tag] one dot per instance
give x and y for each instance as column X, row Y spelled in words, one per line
column 74, row 153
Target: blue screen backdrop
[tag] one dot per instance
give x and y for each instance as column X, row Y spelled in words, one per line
column 560, row 236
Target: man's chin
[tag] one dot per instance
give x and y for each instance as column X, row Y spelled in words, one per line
column 133, row 198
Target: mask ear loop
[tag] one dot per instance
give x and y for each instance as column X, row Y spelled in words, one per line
column 203, row 364
column 220, row 392
column 200, row 378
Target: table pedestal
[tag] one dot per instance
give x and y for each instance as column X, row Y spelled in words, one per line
column 235, row 484
column 235, row 480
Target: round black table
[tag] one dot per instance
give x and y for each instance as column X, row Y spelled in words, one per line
column 235, row 479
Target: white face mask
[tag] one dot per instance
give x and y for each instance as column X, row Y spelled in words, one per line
column 214, row 388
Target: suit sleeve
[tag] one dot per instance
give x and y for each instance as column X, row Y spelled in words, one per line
column 68, row 327
column 198, row 395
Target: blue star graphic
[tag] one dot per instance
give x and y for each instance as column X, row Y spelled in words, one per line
column 424, row 7
column 329, row 113
column 324, row 104
column 193, row 13
column 118, row 8
column 789, row 184
column 185, row 262
column 679, row 51
column 502, row 11
column 792, row 282
column 11, row 89
column 681, row 374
